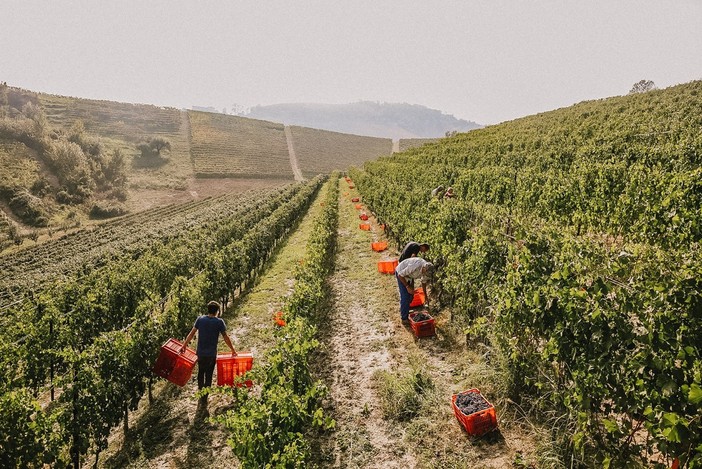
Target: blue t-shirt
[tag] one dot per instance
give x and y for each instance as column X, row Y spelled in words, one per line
column 208, row 330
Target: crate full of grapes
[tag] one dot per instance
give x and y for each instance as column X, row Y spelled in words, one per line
column 474, row 412
column 422, row 324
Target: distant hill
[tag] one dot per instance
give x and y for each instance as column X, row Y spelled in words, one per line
column 66, row 161
column 389, row 120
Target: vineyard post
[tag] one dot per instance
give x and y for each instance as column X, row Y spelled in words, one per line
column 75, row 447
column 151, row 394
column 51, row 359
column 126, row 419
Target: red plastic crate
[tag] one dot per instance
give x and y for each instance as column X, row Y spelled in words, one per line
column 425, row 328
column 355, row 199
column 363, row 217
column 478, row 423
column 419, row 298
column 229, row 367
column 364, row 227
column 379, row 247
column 174, row 366
column 387, row 267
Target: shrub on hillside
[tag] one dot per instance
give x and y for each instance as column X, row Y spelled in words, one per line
column 153, row 147
column 105, row 209
column 29, row 208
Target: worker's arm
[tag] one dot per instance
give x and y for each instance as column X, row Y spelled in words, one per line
column 188, row 339
column 404, row 282
column 228, row 341
column 425, row 287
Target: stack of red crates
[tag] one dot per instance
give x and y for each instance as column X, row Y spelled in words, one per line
column 176, row 367
column 477, row 423
column 229, row 367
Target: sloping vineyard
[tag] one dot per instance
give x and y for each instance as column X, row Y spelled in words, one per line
column 87, row 249
column 230, row 146
column 122, row 121
column 573, row 248
column 323, row 151
column 407, row 143
column 95, row 339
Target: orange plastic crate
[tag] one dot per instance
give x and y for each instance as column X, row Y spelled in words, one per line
column 364, row 227
column 478, row 423
column 359, row 206
column 387, row 267
column 278, row 319
column 355, row 199
column 425, row 328
column 363, row 217
column 379, row 247
column 419, row 298
column 174, row 366
column 229, row 367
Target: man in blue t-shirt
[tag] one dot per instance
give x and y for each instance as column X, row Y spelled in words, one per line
column 209, row 327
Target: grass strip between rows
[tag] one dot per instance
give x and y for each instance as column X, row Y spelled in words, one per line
column 269, row 429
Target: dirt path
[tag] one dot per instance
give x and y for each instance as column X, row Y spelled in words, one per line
column 293, row 156
column 357, row 346
column 174, row 432
column 366, row 338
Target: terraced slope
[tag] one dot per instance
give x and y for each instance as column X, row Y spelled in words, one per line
column 123, row 121
column 231, row 146
column 322, row 151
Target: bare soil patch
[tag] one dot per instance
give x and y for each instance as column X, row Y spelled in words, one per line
column 197, row 188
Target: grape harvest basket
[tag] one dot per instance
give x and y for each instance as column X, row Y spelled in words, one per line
column 477, row 422
column 422, row 324
column 176, row 367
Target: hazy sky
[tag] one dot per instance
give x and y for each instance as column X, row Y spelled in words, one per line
column 486, row 61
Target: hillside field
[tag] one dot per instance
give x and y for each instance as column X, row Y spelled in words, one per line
column 560, row 327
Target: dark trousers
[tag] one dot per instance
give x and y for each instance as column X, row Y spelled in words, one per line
column 205, row 368
column 405, row 299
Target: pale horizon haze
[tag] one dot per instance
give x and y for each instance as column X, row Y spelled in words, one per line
column 484, row 61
